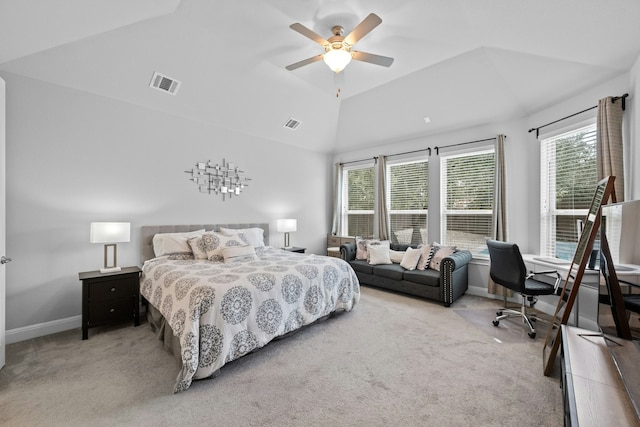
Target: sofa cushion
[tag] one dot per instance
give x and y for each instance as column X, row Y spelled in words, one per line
column 390, row 271
column 361, row 266
column 424, row 277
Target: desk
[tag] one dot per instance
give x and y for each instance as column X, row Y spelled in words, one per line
column 585, row 309
column 594, row 392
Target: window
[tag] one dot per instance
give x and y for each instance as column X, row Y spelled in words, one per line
column 466, row 194
column 568, row 180
column 407, row 201
column 358, row 200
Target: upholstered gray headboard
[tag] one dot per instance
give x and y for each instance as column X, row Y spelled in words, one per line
column 148, row 231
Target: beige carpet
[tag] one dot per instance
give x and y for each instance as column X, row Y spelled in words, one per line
column 394, row 360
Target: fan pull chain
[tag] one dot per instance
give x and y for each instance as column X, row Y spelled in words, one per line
column 338, row 93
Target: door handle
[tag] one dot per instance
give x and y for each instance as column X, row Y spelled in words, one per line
column 4, row 260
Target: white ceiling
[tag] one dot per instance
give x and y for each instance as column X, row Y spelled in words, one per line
column 459, row 62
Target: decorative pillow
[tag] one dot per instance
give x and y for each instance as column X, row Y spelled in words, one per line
column 439, row 254
column 426, row 252
column 396, row 256
column 199, row 245
column 410, row 259
column 379, row 254
column 361, row 247
column 423, row 235
column 173, row 243
column 239, row 253
column 404, row 236
column 220, row 241
column 376, row 243
column 251, row 236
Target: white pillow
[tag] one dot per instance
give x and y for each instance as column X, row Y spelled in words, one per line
column 396, row 256
column 378, row 243
column 220, row 241
column 404, row 236
column 173, row 243
column 238, row 253
column 410, row 259
column 379, row 254
column 199, row 245
column 251, row 236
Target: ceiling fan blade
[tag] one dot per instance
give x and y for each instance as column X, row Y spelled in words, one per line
column 385, row 61
column 308, row 33
column 304, row 62
column 363, row 28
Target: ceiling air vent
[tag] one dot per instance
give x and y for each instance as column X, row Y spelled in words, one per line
column 292, row 123
column 164, row 83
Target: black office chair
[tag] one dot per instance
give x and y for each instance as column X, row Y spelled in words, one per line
column 508, row 270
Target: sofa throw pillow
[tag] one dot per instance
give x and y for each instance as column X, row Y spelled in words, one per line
column 361, row 247
column 379, row 254
column 439, row 254
column 396, row 256
column 426, row 252
column 410, row 259
column 404, row 236
column 375, row 243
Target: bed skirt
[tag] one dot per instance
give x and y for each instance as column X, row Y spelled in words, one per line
column 171, row 343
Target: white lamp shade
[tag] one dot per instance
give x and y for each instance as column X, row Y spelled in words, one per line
column 286, row 225
column 110, row 232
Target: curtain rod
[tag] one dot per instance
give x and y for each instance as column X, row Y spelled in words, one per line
column 613, row 100
column 375, row 158
column 465, row 143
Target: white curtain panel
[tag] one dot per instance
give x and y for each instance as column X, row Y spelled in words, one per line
column 383, row 214
column 609, row 154
column 337, row 199
column 499, row 227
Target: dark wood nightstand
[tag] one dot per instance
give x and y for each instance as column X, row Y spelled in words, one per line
column 295, row 249
column 109, row 298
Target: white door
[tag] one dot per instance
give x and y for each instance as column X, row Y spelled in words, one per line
column 3, row 216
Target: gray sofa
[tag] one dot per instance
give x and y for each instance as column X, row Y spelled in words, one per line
column 446, row 285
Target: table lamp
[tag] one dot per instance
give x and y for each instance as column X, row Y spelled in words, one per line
column 285, row 226
column 110, row 233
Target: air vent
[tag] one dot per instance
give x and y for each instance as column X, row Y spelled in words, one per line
column 292, row 123
column 164, row 83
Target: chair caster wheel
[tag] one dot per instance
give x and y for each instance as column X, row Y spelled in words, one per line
column 532, row 334
column 496, row 322
column 498, row 313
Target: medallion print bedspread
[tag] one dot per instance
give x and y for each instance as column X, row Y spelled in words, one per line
column 222, row 311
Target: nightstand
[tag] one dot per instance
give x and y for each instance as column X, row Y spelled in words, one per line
column 109, row 298
column 295, row 249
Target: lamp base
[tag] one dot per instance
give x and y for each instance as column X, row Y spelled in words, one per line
column 110, row 270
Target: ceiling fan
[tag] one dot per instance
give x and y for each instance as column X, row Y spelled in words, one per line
column 337, row 49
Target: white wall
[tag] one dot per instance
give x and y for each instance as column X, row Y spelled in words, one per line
column 74, row 158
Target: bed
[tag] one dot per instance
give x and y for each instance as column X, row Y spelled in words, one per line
column 217, row 292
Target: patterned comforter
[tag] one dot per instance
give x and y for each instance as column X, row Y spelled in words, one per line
column 222, row 311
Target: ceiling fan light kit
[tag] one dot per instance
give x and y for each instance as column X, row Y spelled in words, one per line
column 337, row 50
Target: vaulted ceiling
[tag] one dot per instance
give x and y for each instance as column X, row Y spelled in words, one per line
column 459, row 62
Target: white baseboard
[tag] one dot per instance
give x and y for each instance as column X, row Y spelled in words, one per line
column 42, row 329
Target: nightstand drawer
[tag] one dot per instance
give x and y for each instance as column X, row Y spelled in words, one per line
column 333, row 241
column 112, row 289
column 107, row 311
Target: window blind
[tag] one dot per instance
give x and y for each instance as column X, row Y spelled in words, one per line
column 569, row 177
column 407, row 201
column 467, row 193
column 358, row 201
